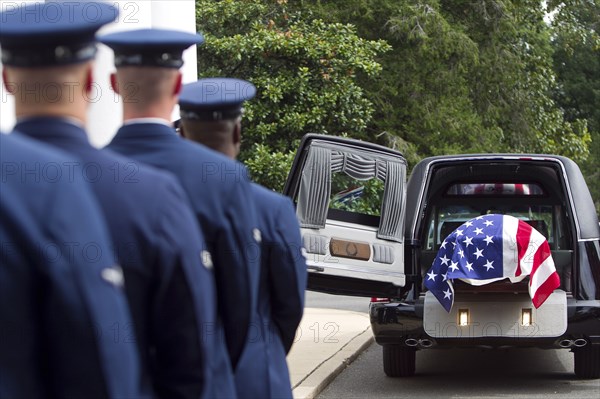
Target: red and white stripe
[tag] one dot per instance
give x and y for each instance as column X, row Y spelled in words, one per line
column 527, row 252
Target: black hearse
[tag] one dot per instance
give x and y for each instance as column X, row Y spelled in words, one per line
column 367, row 232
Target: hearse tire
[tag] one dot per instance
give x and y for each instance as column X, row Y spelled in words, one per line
column 399, row 361
column 587, row 362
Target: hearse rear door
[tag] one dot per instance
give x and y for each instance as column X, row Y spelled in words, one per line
column 350, row 200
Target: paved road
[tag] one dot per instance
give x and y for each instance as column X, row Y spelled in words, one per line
column 466, row 373
column 326, row 301
column 457, row 373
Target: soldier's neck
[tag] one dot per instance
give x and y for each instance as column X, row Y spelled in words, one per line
column 150, row 112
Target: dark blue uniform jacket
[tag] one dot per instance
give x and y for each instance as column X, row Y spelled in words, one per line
column 59, row 286
column 262, row 371
column 170, row 292
column 219, row 190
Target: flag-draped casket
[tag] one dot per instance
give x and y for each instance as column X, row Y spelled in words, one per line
column 490, row 248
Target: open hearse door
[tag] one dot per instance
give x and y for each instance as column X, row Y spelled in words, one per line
column 350, row 200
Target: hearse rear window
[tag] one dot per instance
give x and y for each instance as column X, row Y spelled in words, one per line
column 352, row 185
column 358, row 201
column 496, row 189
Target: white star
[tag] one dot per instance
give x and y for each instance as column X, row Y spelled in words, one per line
column 479, row 217
column 445, row 277
column 468, row 223
column 453, row 244
column 461, row 253
column 459, row 233
column 478, row 253
column 478, row 231
column 488, row 223
column 488, row 265
column 443, row 244
column 431, row 276
column 469, row 266
column 488, row 239
column 454, row 266
column 444, row 260
column 468, row 241
column 447, row 293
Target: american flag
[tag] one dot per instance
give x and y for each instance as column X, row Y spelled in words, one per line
column 348, row 195
column 489, row 248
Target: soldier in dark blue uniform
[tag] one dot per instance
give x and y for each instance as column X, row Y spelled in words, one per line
column 149, row 81
column 60, row 288
column 168, row 273
column 211, row 112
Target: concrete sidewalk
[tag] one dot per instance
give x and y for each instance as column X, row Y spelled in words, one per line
column 327, row 340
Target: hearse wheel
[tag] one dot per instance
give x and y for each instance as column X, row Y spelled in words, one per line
column 587, row 361
column 399, row 361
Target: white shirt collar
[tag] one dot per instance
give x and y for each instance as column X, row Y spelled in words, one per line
column 160, row 121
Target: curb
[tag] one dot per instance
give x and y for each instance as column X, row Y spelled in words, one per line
column 322, row 375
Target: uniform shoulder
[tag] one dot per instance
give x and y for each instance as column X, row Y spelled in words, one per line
column 139, row 170
column 52, row 193
column 33, row 167
column 15, row 146
column 264, row 193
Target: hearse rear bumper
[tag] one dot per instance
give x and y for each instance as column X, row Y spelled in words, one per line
column 401, row 323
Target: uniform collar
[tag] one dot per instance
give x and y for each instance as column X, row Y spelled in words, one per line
column 46, row 128
column 145, row 129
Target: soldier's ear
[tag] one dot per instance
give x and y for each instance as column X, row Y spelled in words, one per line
column 10, row 87
column 178, row 84
column 237, row 133
column 237, row 138
column 114, row 84
column 89, row 78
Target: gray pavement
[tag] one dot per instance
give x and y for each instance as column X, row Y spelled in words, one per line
column 327, row 340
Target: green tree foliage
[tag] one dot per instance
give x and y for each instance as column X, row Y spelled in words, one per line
column 577, row 65
column 426, row 77
column 305, row 70
column 368, row 202
column 463, row 76
column 422, row 96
